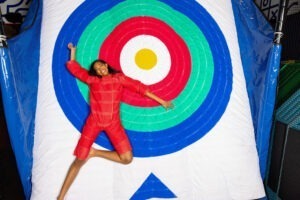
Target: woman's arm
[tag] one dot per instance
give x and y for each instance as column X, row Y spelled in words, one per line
column 72, row 51
column 139, row 87
column 74, row 67
column 166, row 104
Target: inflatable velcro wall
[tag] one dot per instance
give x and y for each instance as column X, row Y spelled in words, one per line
column 185, row 51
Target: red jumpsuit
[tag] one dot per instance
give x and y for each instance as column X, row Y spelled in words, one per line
column 105, row 97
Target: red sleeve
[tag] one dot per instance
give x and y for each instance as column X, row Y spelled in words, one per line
column 133, row 85
column 76, row 70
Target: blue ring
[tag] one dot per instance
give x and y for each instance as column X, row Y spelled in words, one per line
column 161, row 142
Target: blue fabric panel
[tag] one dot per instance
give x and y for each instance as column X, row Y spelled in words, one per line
column 265, row 115
column 19, row 83
column 255, row 37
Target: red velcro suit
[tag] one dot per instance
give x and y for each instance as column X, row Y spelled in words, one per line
column 105, row 97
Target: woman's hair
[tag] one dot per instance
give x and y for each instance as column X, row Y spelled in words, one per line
column 92, row 71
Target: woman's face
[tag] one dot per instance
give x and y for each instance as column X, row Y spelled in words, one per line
column 101, row 69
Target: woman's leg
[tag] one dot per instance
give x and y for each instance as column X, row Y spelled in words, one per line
column 120, row 142
column 71, row 175
column 82, row 153
column 124, row 158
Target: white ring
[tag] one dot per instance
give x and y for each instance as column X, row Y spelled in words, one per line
column 153, row 75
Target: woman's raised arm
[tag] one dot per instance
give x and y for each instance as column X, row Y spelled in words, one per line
column 72, row 51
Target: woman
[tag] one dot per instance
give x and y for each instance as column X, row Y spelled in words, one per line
column 106, row 87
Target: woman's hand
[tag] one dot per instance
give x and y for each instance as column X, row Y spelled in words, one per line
column 71, row 46
column 167, row 105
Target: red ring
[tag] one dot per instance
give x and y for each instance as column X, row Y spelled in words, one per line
column 171, row 86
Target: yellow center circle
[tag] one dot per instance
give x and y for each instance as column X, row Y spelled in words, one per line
column 145, row 59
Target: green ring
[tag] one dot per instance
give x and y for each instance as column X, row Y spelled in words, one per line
column 154, row 118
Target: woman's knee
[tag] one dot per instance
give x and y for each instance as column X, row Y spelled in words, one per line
column 126, row 158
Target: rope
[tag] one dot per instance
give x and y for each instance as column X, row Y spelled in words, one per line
column 282, row 161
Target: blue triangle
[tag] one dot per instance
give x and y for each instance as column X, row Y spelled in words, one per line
column 152, row 188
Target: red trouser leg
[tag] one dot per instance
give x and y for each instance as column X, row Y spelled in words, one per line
column 86, row 140
column 118, row 137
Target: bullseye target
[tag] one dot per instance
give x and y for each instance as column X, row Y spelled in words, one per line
column 146, row 58
column 174, row 47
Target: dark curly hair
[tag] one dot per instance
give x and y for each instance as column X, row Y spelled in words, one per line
column 92, row 71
